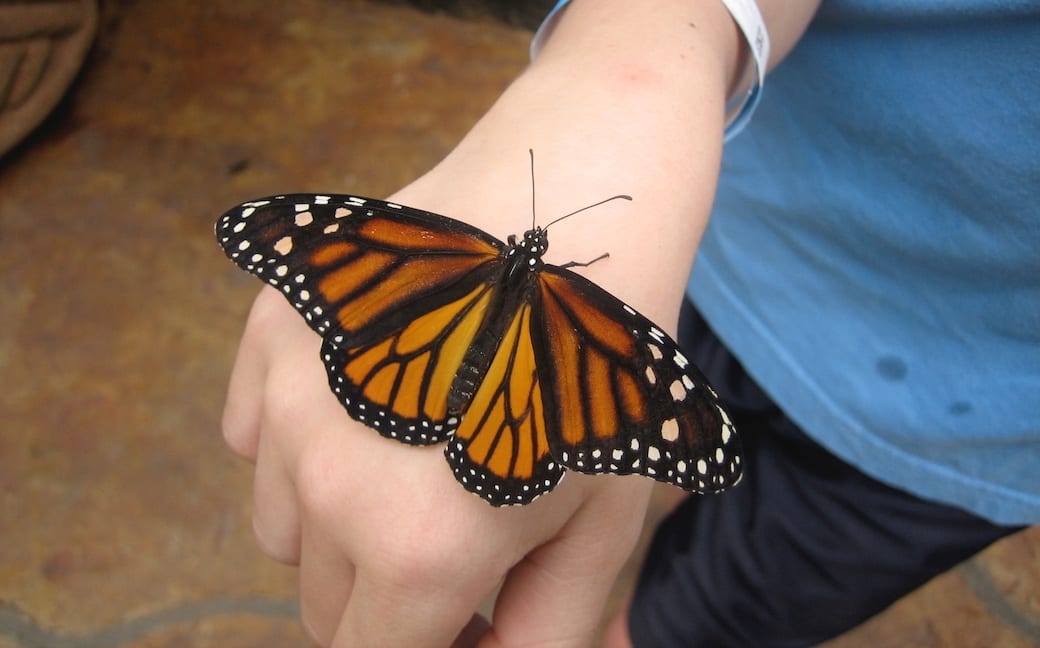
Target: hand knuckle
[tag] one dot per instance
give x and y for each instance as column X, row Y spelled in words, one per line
column 426, row 553
column 237, row 439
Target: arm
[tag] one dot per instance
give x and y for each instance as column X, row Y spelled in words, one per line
column 623, row 98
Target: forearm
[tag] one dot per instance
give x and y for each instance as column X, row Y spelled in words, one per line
column 624, row 98
column 621, row 100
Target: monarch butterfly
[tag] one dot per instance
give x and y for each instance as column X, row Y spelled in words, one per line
column 434, row 330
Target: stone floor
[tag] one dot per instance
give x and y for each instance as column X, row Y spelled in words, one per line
column 123, row 520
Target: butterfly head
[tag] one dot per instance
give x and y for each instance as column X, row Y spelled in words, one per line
column 530, row 249
column 525, row 256
column 535, row 243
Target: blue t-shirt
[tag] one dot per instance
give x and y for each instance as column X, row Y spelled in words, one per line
column 873, row 256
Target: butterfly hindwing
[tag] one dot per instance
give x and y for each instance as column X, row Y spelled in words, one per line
column 620, row 397
column 399, row 384
column 500, row 450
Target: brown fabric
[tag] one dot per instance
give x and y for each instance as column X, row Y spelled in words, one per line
column 42, row 45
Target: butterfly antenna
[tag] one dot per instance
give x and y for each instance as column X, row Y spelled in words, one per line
column 533, row 217
column 617, row 197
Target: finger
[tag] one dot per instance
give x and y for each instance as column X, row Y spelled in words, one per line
column 243, row 406
column 616, row 634
column 382, row 613
column 431, row 568
column 276, row 513
column 556, row 595
column 326, row 581
column 325, row 485
column 240, row 423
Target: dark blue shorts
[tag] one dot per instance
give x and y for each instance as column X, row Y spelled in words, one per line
column 803, row 549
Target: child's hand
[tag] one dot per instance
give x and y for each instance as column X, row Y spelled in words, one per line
column 392, row 550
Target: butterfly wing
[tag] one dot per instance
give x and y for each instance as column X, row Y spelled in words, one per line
column 398, row 384
column 500, row 450
column 620, row 397
column 397, row 293
column 577, row 380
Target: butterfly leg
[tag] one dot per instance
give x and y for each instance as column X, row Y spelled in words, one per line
column 579, row 264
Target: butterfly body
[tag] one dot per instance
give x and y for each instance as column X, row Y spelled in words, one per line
column 436, row 331
column 516, row 282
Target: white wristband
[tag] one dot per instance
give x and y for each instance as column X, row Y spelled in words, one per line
column 747, row 16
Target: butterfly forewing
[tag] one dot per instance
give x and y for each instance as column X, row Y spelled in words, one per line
column 397, row 294
column 620, row 397
column 356, row 267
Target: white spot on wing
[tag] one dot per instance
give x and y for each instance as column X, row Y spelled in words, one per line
column 677, row 390
column 670, row 430
column 284, row 245
column 724, row 415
